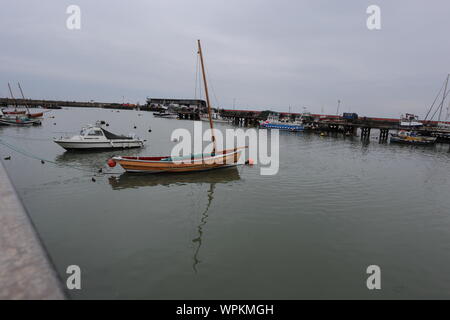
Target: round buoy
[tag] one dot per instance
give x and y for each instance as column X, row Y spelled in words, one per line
column 250, row 162
column 111, row 163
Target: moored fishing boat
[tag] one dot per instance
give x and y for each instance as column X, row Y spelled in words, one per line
column 189, row 163
column 273, row 122
column 412, row 138
column 94, row 137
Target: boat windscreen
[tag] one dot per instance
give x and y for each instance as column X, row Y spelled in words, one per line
column 112, row 136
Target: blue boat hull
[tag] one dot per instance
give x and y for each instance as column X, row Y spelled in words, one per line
column 288, row 127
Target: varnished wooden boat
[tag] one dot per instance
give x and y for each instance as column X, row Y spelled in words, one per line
column 200, row 162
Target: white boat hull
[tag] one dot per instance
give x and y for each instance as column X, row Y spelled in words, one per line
column 85, row 145
column 410, row 124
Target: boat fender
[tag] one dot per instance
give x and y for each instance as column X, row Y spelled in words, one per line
column 250, row 162
column 111, row 163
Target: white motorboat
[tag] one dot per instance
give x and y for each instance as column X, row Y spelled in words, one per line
column 95, row 137
column 410, row 120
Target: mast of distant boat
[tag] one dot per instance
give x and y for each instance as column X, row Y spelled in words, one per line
column 213, row 138
column 444, row 95
column 23, row 97
column 12, row 97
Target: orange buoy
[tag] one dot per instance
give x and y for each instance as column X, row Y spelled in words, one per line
column 111, row 163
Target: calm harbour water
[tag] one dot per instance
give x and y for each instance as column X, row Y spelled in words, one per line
column 335, row 207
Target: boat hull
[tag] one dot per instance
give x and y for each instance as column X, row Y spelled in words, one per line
column 14, row 122
column 35, row 115
column 287, row 127
column 165, row 115
column 141, row 165
column 76, row 145
column 14, row 112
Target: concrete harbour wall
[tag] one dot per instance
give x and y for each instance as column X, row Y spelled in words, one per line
column 25, row 269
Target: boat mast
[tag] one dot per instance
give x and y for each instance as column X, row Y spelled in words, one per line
column 12, row 97
column 213, row 138
column 23, row 97
column 443, row 97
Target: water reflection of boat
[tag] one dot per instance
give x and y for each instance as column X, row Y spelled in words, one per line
column 126, row 180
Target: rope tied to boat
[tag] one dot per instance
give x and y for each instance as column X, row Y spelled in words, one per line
column 33, row 156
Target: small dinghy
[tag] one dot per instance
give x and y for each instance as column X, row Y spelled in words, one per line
column 14, row 112
column 190, row 163
column 94, row 137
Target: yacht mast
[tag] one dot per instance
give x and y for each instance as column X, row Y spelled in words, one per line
column 23, row 97
column 12, row 96
column 213, row 138
column 443, row 97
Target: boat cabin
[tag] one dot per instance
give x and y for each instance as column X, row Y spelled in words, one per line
column 93, row 132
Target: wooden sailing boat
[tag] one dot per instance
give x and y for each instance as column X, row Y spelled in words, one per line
column 191, row 163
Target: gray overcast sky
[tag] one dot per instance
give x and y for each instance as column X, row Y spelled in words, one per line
column 266, row 54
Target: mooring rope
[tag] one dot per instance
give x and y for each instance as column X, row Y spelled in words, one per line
column 33, row 156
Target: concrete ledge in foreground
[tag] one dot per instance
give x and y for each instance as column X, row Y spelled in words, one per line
column 25, row 270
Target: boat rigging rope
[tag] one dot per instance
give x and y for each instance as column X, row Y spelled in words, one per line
column 33, row 156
